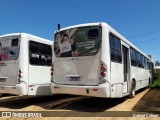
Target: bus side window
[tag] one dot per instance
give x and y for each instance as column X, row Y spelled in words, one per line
column 34, row 53
column 93, row 33
column 133, row 54
column 139, row 59
column 46, row 55
column 142, row 61
column 115, row 47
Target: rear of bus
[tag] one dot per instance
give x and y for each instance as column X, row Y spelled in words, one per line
column 77, row 66
column 9, row 64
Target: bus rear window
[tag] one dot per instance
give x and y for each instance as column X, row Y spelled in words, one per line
column 40, row 54
column 15, row 42
column 82, row 41
column 9, row 49
column 93, row 34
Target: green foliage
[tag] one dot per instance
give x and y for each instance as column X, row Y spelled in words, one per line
column 156, row 79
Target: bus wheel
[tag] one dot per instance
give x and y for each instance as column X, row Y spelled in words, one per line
column 149, row 83
column 132, row 94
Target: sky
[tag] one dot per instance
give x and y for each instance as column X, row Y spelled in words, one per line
column 137, row 20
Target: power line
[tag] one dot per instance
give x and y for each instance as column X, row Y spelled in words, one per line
column 143, row 34
column 146, row 41
column 149, row 44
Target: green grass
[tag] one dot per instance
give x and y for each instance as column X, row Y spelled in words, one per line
column 156, row 84
column 156, row 79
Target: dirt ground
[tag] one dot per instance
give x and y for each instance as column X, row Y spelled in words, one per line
column 79, row 107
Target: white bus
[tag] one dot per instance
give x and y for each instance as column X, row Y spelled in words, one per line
column 25, row 63
column 95, row 60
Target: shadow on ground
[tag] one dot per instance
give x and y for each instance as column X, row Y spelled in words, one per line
column 67, row 102
column 149, row 102
column 18, row 102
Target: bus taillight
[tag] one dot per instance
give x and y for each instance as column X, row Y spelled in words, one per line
column 103, row 73
column 52, row 70
column 20, row 75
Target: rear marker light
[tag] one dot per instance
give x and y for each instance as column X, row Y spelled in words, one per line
column 56, row 87
column 95, row 89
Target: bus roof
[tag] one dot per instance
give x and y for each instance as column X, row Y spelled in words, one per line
column 111, row 30
column 126, row 41
column 26, row 34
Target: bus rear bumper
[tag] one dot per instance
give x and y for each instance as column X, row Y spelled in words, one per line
column 95, row 91
column 19, row 89
column 41, row 89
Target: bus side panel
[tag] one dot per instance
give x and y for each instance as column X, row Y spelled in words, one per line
column 39, row 77
column 105, row 54
column 39, row 80
column 141, row 77
column 23, row 63
column 117, row 79
column 114, row 70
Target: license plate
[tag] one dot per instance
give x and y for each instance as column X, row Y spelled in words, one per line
column 74, row 78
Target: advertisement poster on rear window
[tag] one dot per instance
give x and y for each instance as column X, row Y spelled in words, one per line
column 7, row 51
column 82, row 41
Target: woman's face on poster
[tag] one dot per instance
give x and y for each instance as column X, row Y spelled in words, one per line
column 65, row 39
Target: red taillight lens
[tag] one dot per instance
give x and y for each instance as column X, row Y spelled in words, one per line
column 52, row 70
column 103, row 68
column 103, row 74
column 19, row 71
column 20, row 74
column 51, row 73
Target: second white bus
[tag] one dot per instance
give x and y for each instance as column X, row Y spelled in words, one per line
column 25, row 63
column 95, row 60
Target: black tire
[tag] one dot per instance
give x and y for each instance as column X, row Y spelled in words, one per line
column 149, row 83
column 133, row 91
